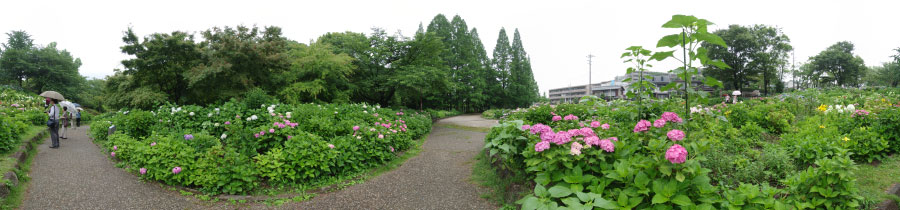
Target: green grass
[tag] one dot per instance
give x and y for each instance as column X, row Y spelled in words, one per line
column 874, row 180
column 500, row 192
column 17, row 193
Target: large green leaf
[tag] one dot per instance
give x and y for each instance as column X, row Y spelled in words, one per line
column 560, row 191
column 713, row 82
column 641, row 180
column 711, row 38
column 682, row 200
column 529, row 203
column 671, row 40
column 659, row 56
column 679, row 21
column 659, row 198
column 719, row 64
column 540, row 191
column 603, row 203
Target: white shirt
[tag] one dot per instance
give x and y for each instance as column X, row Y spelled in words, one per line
column 54, row 112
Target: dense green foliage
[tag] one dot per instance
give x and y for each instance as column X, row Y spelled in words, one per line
column 18, row 112
column 783, row 152
column 754, row 53
column 443, row 67
column 239, row 146
column 39, row 68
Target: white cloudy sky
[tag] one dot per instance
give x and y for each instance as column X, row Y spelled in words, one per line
column 556, row 34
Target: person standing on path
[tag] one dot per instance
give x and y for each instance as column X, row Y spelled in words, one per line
column 65, row 120
column 77, row 118
column 53, row 122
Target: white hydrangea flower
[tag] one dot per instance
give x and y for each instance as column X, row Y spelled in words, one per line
column 191, row 114
column 209, row 115
column 254, row 117
column 217, row 124
column 224, row 136
column 217, row 109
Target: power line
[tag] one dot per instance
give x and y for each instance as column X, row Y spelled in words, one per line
column 589, row 56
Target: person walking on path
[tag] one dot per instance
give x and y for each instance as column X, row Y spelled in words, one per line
column 66, row 119
column 77, row 118
column 53, row 122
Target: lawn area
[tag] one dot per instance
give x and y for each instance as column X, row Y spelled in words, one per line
column 874, row 180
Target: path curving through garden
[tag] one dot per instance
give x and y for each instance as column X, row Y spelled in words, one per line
column 79, row 176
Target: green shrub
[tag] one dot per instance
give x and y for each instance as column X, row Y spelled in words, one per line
column 830, row 185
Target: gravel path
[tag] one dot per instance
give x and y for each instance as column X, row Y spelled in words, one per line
column 78, row 176
column 435, row 179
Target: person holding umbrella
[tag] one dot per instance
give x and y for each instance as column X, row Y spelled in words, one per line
column 52, row 98
column 66, row 119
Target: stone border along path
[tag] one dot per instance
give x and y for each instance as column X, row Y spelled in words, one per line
column 79, row 176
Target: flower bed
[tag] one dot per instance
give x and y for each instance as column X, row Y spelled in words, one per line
column 767, row 153
column 235, row 149
column 18, row 112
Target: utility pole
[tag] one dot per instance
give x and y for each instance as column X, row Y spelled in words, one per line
column 590, row 92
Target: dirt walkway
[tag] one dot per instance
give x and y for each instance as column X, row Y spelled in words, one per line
column 79, row 176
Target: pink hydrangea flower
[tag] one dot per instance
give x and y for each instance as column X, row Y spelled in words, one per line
column 556, row 118
column 586, row 132
column 605, row 126
column 571, row 117
column 289, row 137
column 188, row 136
column 607, row 145
column 613, row 138
column 392, row 148
column 152, row 143
column 380, row 136
column 671, row 117
column 659, row 123
column 112, row 154
column 256, row 135
column 143, row 171
column 355, row 128
column 675, row 135
column 176, row 170
column 271, row 130
column 228, row 122
column 591, row 140
column 331, row 146
column 541, row 146
column 642, row 125
column 115, row 147
column 526, row 127
column 676, row 154
column 576, row 149
column 595, row 124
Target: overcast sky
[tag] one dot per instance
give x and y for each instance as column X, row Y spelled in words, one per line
column 558, row 35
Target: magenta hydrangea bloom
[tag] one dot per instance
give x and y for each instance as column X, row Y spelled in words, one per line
column 526, row 127
column 642, row 125
column 571, row 117
column 675, row 135
column 605, row 126
column 541, row 146
column 188, row 136
column 613, row 138
column 595, row 124
column 576, row 149
column 271, row 130
column 671, row 117
column 143, row 171
column 256, row 135
column 355, row 128
column 152, row 143
column 556, row 118
column 392, row 148
column 289, row 137
column 607, row 145
column 228, row 122
column 380, row 136
column 676, row 154
column 659, row 123
column 586, row 132
column 115, row 147
column 176, row 170
column 591, row 141
column 331, row 146
column 112, row 154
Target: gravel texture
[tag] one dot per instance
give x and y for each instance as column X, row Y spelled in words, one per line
column 438, row 178
column 79, row 176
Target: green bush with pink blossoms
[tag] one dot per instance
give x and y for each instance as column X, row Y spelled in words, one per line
column 235, row 149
